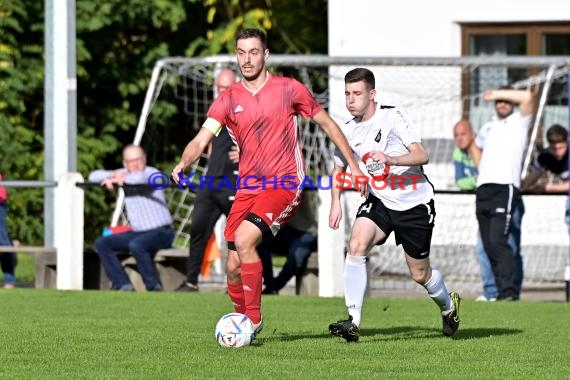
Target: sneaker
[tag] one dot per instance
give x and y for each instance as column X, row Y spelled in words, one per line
column 482, row 298
column 127, row 288
column 451, row 320
column 187, row 287
column 346, row 329
column 258, row 327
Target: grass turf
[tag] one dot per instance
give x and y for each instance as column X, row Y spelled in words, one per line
column 102, row 334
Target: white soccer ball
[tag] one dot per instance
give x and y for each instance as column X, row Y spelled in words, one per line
column 234, row 330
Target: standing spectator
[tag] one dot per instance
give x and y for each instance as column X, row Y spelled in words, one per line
column 148, row 215
column 260, row 113
column 296, row 240
column 500, row 145
column 553, row 160
column 466, row 179
column 384, row 138
column 212, row 202
column 8, row 259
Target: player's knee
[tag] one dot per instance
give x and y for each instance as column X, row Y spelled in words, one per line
column 357, row 247
column 420, row 275
column 233, row 272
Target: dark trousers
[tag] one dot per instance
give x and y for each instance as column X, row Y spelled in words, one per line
column 495, row 205
column 7, row 260
column 296, row 245
column 209, row 205
column 142, row 245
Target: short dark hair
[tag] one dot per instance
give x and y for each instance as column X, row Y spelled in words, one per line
column 361, row 74
column 556, row 134
column 253, row 33
column 505, row 87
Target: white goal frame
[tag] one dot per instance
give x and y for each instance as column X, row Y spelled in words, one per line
column 332, row 243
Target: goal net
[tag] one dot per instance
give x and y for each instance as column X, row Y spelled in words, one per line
column 436, row 93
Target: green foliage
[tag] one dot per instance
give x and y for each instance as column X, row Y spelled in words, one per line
column 117, row 45
column 21, row 127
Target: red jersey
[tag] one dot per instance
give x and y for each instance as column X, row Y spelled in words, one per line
column 264, row 127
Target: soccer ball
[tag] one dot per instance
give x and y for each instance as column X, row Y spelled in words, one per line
column 234, row 330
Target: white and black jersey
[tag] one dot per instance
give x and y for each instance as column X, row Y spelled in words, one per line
column 389, row 131
column 503, row 143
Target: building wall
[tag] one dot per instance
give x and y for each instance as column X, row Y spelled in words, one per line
column 420, row 28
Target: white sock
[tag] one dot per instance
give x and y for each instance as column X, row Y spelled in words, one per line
column 355, row 277
column 438, row 291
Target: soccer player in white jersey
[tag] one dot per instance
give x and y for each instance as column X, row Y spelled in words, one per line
column 400, row 200
column 501, row 145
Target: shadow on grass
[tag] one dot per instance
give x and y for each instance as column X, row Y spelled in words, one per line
column 370, row 335
column 415, row 332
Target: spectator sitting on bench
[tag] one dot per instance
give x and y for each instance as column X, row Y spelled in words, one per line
column 296, row 240
column 148, row 215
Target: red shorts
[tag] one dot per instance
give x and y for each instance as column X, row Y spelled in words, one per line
column 273, row 206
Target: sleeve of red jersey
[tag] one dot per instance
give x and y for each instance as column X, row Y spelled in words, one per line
column 218, row 108
column 304, row 102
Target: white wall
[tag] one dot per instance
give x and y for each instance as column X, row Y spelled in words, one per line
column 423, row 28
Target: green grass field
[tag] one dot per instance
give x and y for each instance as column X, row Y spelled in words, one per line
column 102, row 334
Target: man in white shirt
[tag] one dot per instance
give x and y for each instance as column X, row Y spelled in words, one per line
column 501, row 145
column 400, row 199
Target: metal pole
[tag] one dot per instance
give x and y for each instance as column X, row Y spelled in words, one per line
column 60, row 98
column 538, row 119
column 567, row 269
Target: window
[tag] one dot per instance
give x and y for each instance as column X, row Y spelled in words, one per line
column 511, row 39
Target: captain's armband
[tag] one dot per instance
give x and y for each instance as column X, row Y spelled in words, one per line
column 213, row 126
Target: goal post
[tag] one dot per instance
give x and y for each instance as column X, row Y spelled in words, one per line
column 436, row 93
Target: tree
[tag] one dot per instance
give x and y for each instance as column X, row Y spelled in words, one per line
column 118, row 43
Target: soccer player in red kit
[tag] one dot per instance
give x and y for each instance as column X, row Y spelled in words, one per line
column 260, row 113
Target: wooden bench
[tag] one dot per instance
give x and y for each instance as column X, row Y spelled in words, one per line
column 308, row 283
column 171, row 265
column 46, row 258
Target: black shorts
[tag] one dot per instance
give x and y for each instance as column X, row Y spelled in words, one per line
column 412, row 228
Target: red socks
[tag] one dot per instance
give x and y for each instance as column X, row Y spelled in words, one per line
column 252, row 281
column 235, row 291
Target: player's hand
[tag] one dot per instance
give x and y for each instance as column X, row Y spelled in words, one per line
column 360, row 181
column 178, row 169
column 335, row 215
column 233, row 155
column 379, row 157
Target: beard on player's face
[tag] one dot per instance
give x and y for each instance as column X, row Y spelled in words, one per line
column 254, row 76
column 503, row 113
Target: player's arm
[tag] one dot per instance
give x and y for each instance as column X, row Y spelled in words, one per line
column 529, row 182
column 330, row 127
column 523, row 98
column 475, row 153
column 196, row 146
column 335, row 214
